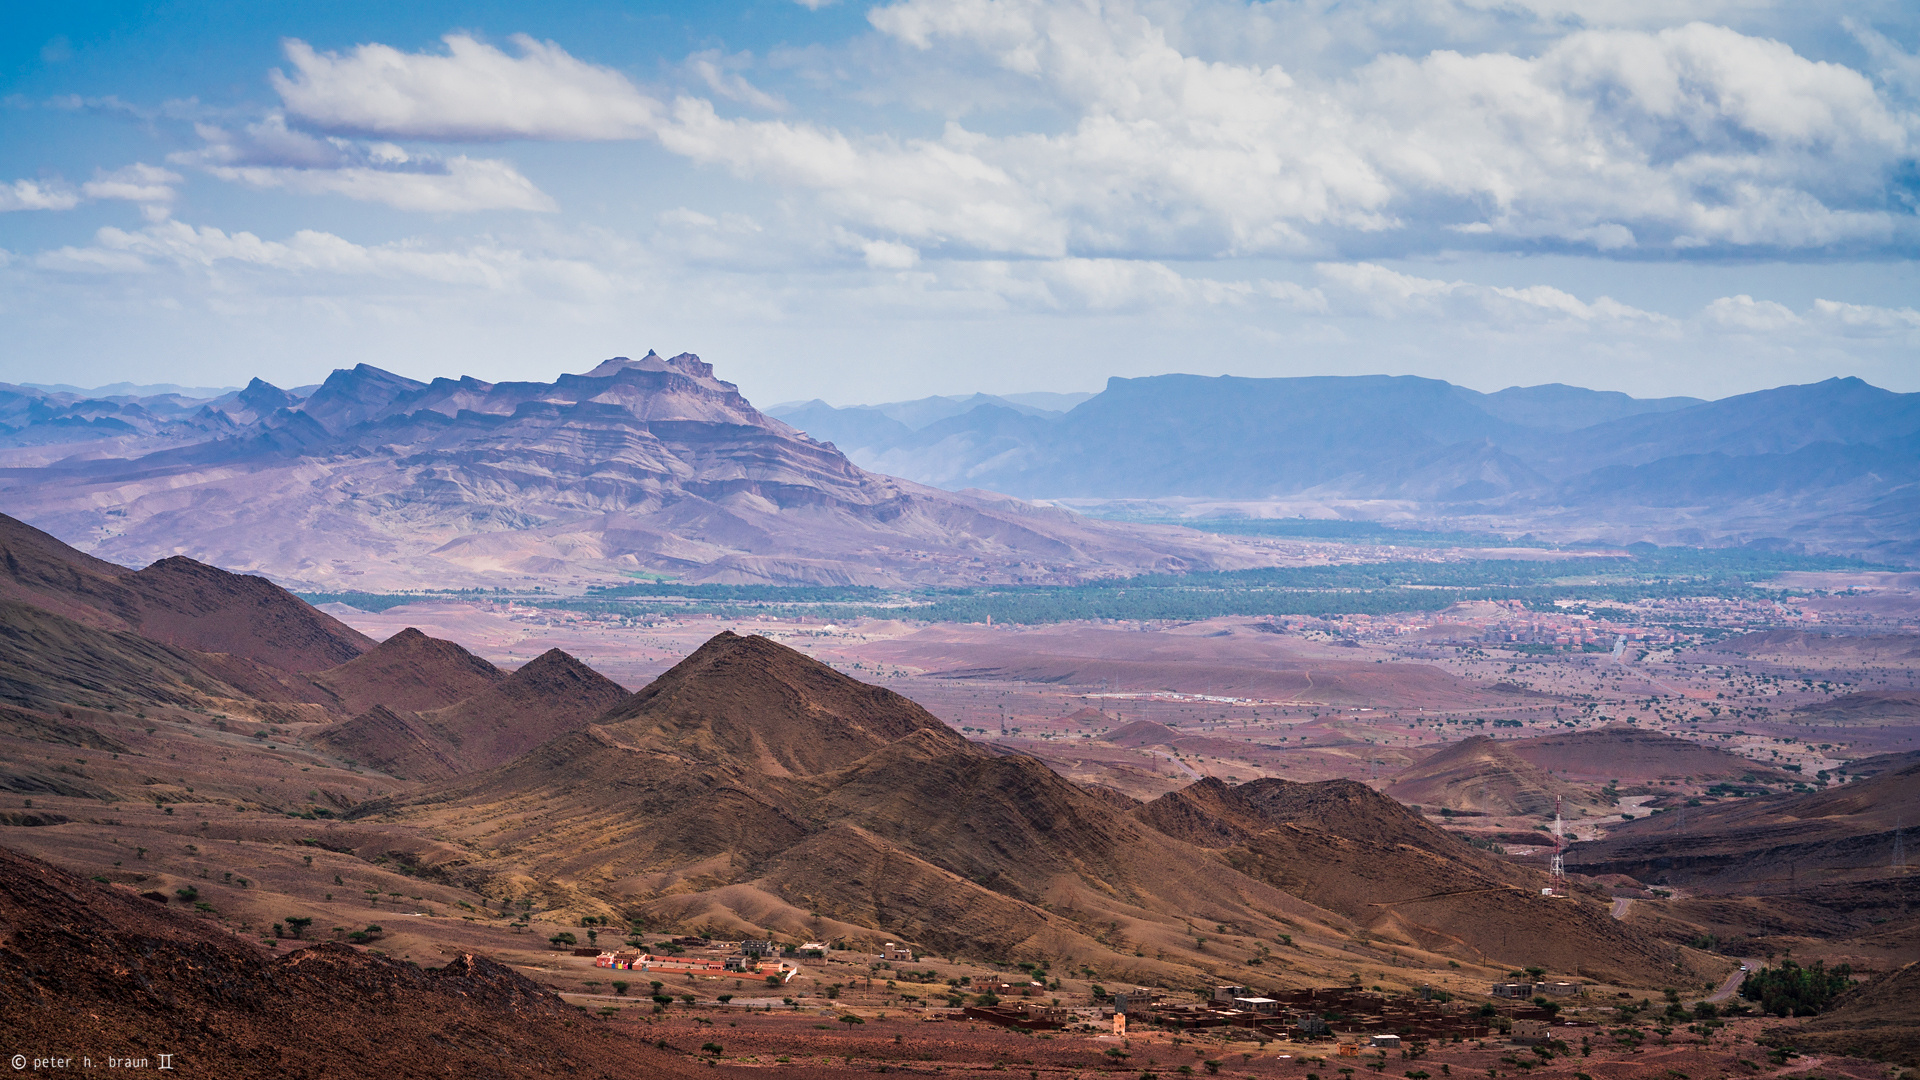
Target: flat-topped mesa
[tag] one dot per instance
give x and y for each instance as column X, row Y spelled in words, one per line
column 756, row 704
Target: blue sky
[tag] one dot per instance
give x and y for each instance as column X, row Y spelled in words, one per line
column 869, row 202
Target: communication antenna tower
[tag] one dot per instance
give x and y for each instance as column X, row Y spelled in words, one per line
column 1559, row 844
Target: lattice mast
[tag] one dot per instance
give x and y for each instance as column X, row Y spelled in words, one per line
column 1559, row 843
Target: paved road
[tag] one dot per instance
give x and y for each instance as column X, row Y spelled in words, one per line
column 1732, row 985
column 1620, row 906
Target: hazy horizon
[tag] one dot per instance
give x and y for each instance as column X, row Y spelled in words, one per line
column 877, row 202
column 126, row 389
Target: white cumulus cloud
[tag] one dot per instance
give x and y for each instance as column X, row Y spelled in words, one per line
column 457, row 185
column 718, row 72
column 309, row 252
column 1867, row 320
column 473, row 92
column 36, row 195
column 1380, row 292
column 1744, row 314
column 1603, row 140
column 138, row 183
column 269, row 154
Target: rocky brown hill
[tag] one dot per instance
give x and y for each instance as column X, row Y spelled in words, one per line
column 549, row 696
column 91, row 970
column 753, row 790
column 750, row 790
column 1488, row 776
column 378, row 481
column 408, row 671
column 1880, row 1018
column 175, row 601
column 1344, row 847
column 1631, row 755
column 1776, row 844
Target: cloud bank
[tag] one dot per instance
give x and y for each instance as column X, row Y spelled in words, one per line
column 1608, row 141
column 1264, row 188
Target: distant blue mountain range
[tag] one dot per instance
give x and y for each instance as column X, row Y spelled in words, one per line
column 1833, row 465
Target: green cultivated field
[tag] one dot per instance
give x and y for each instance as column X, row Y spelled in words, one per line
column 1376, row 588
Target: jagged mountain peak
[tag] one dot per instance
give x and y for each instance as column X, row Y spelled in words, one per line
column 553, row 665
column 354, row 395
column 685, row 363
column 263, row 398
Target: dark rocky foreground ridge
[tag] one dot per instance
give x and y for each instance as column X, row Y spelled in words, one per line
column 377, row 481
column 91, row 970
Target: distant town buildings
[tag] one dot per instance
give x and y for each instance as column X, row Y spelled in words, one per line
column 1527, row 990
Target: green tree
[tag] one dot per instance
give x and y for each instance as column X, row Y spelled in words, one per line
column 1792, row 990
column 298, row 924
column 849, row 1019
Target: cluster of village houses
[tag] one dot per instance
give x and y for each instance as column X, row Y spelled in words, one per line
column 1375, row 1019
column 751, row 957
column 1379, row 1021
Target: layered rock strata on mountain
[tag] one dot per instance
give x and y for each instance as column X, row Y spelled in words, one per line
column 376, row 481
